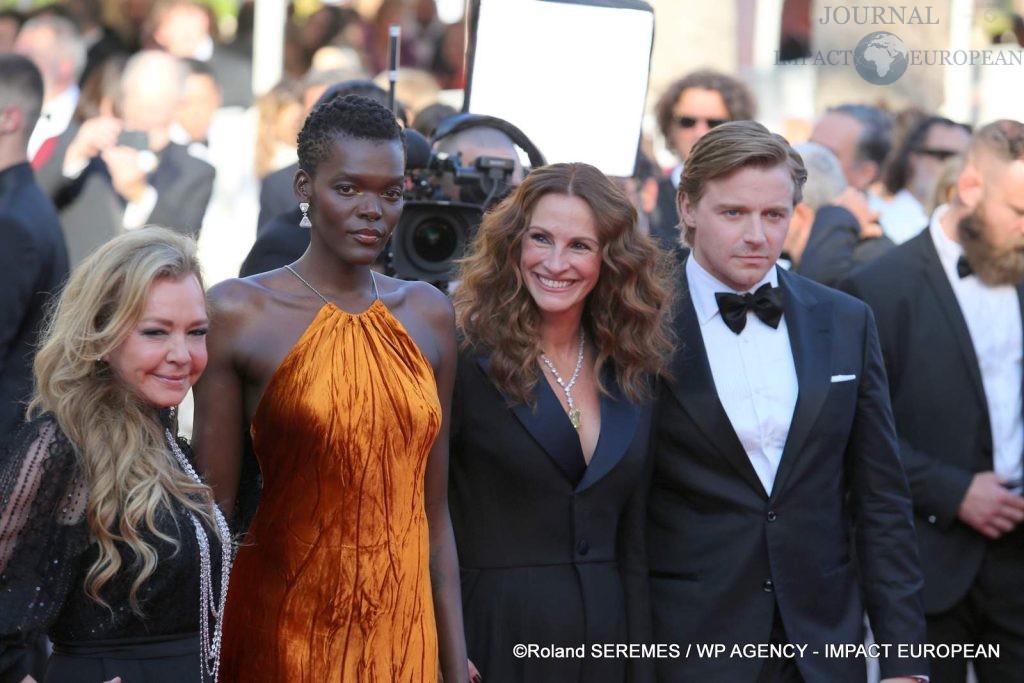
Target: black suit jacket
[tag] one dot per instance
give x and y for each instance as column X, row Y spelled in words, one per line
column 549, row 547
column 834, row 248
column 276, row 196
column 33, row 266
column 836, row 533
column 280, row 243
column 939, row 403
column 184, row 185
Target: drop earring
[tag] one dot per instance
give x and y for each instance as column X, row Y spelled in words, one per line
column 304, row 208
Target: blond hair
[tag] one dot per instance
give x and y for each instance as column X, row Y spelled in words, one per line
column 730, row 147
column 118, row 438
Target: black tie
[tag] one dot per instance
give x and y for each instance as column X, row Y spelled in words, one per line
column 766, row 303
column 963, row 268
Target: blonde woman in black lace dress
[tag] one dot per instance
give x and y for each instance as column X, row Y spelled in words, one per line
column 109, row 542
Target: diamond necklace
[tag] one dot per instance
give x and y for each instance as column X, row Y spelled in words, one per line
column 575, row 416
column 209, row 607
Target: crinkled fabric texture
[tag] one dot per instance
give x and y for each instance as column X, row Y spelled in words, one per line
column 332, row 582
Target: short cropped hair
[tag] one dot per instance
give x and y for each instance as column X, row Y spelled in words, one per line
column 825, row 177
column 352, row 116
column 875, row 141
column 732, row 146
column 21, row 85
column 1003, row 139
column 67, row 41
column 739, row 101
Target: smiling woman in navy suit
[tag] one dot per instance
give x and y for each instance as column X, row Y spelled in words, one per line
column 564, row 310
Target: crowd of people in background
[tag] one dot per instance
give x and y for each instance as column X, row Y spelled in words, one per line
column 625, row 424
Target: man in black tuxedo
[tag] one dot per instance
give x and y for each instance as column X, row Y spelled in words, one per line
column 33, row 260
column 949, row 304
column 778, row 510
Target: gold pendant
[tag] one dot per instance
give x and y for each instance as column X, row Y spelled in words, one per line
column 575, row 418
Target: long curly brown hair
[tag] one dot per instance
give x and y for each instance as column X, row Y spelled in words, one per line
column 627, row 315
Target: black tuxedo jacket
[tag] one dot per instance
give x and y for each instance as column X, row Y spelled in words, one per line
column 939, row 404
column 835, row 535
column 33, row 267
column 834, row 248
column 280, row 243
column 276, row 196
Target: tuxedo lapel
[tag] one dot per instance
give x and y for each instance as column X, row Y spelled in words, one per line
column 809, row 323
column 939, row 283
column 618, row 425
column 694, row 387
column 549, row 426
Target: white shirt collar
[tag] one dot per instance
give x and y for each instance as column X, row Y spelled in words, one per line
column 676, row 175
column 61, row 108
column 949, row 251
column 703, row 286
column 204, row 51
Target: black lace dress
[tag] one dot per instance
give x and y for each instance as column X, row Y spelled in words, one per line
column 45, row 554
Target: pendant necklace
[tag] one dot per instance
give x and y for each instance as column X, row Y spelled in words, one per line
column 575, row 416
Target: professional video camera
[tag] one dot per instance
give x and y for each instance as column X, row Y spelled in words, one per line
column 435, row 226
column 434, row 229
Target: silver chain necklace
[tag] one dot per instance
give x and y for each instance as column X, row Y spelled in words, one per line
column 209, row 607
column 575, row 416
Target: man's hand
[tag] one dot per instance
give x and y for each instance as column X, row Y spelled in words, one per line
column 856, row 203
column 989, row 508
column 126, row 172
column 95, row 135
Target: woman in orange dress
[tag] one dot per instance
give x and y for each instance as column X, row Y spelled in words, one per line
column 342, row 380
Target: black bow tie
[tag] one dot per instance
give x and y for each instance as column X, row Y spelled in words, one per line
column 963, row 268
column 766, row 303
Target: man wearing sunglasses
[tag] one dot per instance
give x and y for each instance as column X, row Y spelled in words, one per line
column 688, row 109
column 910, row 177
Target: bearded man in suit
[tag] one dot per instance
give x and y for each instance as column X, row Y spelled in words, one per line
column 949, row 304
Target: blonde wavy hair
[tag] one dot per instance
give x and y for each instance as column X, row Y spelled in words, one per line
column 627, row 315
column 118, row 438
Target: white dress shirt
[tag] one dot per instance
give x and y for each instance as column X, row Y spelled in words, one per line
column 901, row 217
column 993, row 319
column 754, row 373
column 54, row 119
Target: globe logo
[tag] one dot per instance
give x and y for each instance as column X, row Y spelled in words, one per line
column 880, row 58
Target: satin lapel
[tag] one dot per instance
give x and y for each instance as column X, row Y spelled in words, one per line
column 694, row 388
column 618, row 425
column 550, row 428
column 943, row 291
column 809, row 323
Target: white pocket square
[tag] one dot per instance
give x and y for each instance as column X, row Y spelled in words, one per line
column 843, row 378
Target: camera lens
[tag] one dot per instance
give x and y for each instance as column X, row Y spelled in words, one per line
column 435, row 240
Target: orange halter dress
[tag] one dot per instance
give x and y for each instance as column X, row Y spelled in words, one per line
column 331, row 582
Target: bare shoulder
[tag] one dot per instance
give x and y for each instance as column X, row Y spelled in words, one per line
column 238, row 302
column 419, row 298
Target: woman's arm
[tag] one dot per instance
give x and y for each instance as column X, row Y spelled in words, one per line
column 218, row 434
column 42, row 532
column 444, row 561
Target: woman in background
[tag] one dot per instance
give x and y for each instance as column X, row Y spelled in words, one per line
column 109, row 542
column 564, row 306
